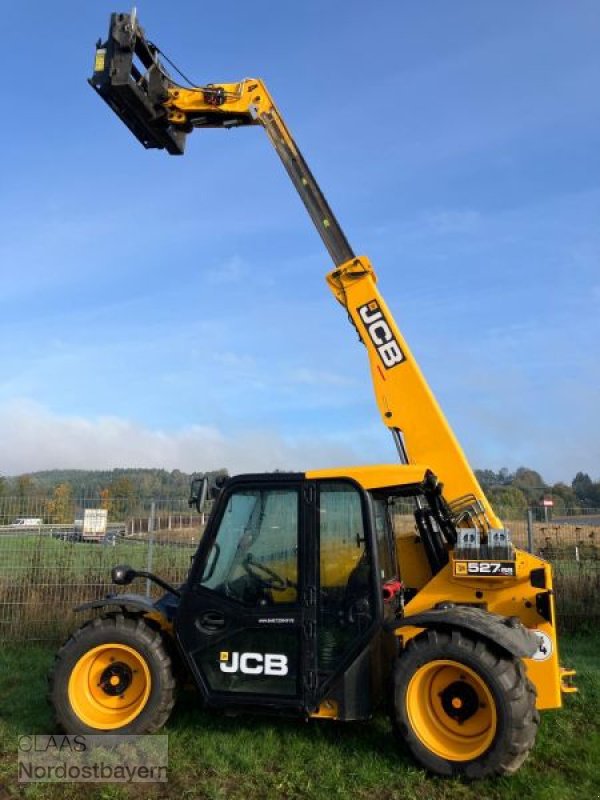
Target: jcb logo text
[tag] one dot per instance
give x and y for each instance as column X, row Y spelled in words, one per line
column 381, row 334
column 254, row 663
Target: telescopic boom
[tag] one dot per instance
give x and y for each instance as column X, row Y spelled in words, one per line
column 129, row 75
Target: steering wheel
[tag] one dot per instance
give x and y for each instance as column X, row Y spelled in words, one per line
column 265, row 575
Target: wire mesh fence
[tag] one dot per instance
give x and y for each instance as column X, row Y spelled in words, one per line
column 58, row 553
column 571, row 543
column 54, row 558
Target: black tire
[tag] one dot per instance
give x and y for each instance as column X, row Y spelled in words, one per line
column 506, row 730
column 146, row 645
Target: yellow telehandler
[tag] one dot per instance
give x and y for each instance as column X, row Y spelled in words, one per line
column 326, row 593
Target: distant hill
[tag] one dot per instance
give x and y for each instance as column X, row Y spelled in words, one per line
column 141, row 482
column 507, row 491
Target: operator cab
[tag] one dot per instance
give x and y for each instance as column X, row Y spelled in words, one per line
column 285, row 605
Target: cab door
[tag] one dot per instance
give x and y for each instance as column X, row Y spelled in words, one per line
column 241, row 621
column 348, row 604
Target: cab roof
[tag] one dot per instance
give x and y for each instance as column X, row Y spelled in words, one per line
column 376, row 476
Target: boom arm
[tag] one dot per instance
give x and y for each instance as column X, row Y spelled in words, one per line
column 161, row 113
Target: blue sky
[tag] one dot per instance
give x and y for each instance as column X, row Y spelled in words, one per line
column 161, row 311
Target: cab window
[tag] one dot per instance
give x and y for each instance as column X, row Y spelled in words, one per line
column 384, row 536
column 346, row 606
column 255, row 554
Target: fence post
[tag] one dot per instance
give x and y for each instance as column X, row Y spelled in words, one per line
column 529, row 530
column 151, row 526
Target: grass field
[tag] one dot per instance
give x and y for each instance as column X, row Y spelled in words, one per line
column 42, row 578
column 21, row 554
column 250, row 758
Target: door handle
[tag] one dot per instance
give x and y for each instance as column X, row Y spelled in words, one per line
column 211, row 621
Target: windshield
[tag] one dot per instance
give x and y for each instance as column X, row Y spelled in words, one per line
column 255, row 555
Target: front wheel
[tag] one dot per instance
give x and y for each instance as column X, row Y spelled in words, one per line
column 113, row 675
column 462, row 707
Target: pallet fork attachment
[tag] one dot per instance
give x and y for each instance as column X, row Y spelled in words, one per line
column 130, row 78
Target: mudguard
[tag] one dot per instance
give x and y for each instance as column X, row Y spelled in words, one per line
column 508, row 633
column 166, row 606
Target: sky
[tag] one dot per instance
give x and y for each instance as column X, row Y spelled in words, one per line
column 172, row 312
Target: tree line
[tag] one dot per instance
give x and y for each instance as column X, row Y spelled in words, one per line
column 58, row 496
column 525, row 488
column 123, row 491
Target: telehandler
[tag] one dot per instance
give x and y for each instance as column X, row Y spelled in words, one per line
column 331, row 592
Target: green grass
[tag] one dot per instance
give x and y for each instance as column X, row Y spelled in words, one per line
column 19, row 555
column 42, row 579
column 251, row 758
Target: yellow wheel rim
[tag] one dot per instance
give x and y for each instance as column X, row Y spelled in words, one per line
column 451, row 710
column 109, row 686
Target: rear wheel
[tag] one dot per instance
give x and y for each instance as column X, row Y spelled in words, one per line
column 114, row 674
column 462, row 707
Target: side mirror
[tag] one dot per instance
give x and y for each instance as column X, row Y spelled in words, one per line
column 220, row 482
column 198, row 493
column 123, row 574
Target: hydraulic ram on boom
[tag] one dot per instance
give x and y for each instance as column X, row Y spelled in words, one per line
column 161, row 113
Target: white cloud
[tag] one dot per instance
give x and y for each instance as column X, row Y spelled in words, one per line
column 34, row 438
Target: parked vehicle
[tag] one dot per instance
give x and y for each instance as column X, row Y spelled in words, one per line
column 92, row 527
column 28, row 522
